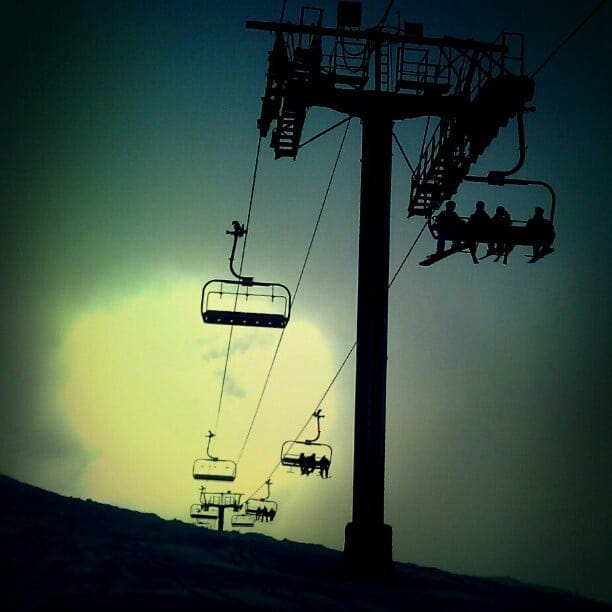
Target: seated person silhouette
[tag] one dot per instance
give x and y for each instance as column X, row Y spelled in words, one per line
column 303, row 463
column 311, row 464
column 477, row 227
column 449, row 226
column 541, row 232
column 324, row 467
column 500, row 222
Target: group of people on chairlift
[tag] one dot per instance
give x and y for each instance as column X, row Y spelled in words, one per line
column 482, row 227
column 265, row 514
column 310, row 464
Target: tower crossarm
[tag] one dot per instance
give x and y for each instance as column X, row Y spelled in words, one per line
column 375, row 34
column 400, row 71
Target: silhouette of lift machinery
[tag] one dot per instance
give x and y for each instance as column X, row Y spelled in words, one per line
column 261, row 507
column 381, row 75
column 213, row 505
column 306, row 454
column 213, row 468
column 244, row 301
column 515, row 235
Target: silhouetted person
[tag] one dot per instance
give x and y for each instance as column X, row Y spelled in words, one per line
column 264, row 514
column 477, row 227
column 541, row 232
column 303, row 463
column 271, row 513
column 258, row 513
column 500, row 222
column 449, row 226
column 311, row 464
column 324, row 467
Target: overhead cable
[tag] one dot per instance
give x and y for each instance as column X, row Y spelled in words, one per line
column 337, row 374
column 308, row 250
column 231, row 330
column 569, row 36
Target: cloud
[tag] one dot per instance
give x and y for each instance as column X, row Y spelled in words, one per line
column 139, row 398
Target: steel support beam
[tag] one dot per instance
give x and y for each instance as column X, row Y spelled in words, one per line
column 368, row 541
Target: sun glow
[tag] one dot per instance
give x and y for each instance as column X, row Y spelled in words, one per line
column 142, row 380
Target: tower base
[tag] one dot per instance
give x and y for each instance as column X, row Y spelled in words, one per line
column 368, row 553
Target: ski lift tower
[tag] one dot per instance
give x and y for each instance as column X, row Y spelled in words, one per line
column 381, row 75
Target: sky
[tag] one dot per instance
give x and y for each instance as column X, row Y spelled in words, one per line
column 130, row 145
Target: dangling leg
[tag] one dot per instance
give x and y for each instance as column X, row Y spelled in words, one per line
column 473, row 246
column 508, row 248
column 440, row 244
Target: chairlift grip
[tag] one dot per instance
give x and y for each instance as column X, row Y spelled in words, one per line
column 210, row 436
column 238, row 232
column 522, row 149
column 317, row 414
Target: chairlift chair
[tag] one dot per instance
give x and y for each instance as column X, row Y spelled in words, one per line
column 255, row 505
column 213, row 468
column 242, row 520
column 293, row 452
column 256, row 304
column 515, row 235
column 518, row 233
column 242, row 300
column 292, row 449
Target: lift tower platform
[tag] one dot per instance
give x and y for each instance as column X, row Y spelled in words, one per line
column 382, row 75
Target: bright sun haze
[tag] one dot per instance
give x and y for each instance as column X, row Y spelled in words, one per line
column 141, row 389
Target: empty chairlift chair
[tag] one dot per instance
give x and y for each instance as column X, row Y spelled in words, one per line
column 244, row 301
column 213, row 468
column 241, row 519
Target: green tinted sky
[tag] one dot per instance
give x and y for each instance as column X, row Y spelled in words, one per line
column 129, row 143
